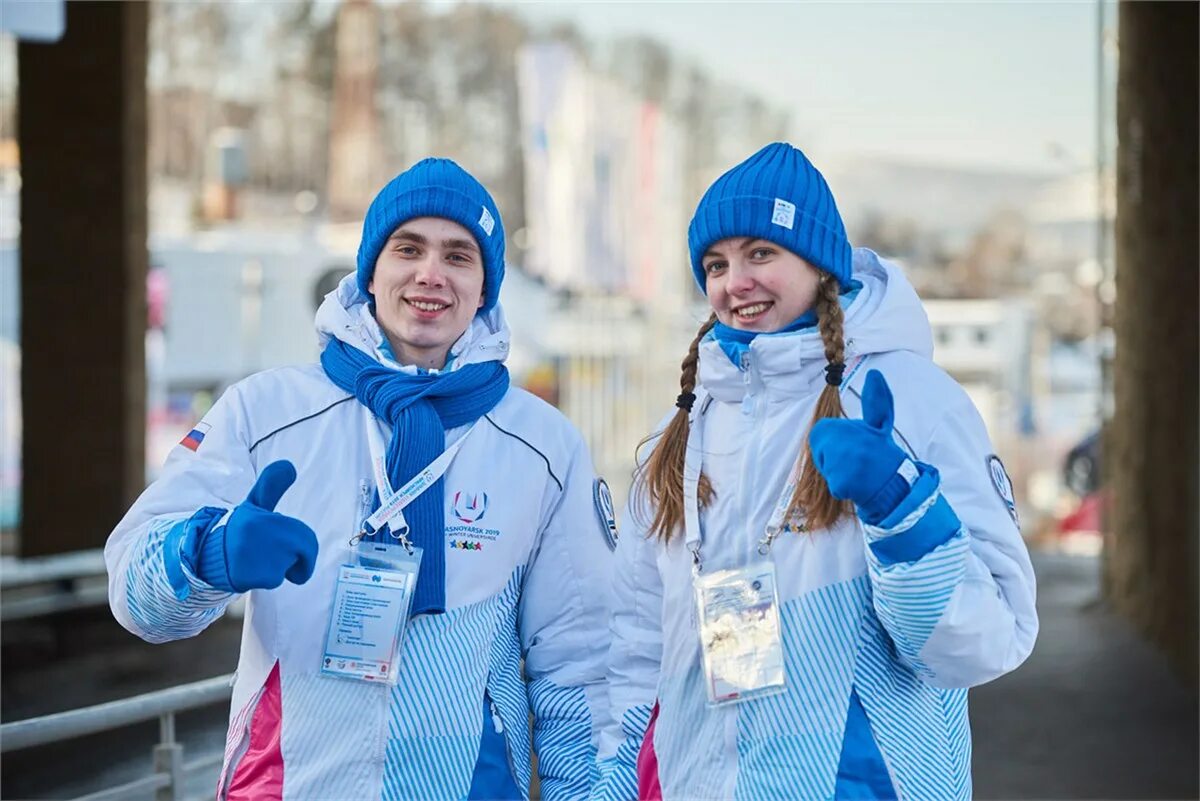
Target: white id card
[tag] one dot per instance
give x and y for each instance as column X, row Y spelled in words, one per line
column 371, row 604
column 740, row 641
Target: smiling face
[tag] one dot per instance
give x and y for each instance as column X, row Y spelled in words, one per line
column 427, row 284
column 756, row 285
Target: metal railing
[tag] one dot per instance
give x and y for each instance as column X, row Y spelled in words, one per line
column 170, row 771
column 48, row 584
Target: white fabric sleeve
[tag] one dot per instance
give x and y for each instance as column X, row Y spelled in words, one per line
column 964, row 612
column 564, row 634
column 634, row 658
column 151, row 591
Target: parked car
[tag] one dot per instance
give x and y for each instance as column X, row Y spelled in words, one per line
column 1082, row 467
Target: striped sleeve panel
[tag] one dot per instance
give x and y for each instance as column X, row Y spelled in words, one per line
column 923, row 732
column 165, row 599
column 618, row 774
column 910, row 597
column 562, row 738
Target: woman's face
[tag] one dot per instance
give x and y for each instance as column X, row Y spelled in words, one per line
column 756, row 285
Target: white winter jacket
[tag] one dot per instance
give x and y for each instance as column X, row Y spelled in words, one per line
column 531, row 586
column 904, row 635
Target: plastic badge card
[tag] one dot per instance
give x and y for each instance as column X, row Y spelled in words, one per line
column 740, row 633
column 371, row 605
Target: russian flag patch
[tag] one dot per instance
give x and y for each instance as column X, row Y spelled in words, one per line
column 195, row 436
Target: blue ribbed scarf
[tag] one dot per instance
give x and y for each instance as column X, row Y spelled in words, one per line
column 735, row 341
column 420, row 409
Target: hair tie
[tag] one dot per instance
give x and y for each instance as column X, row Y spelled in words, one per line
column 833, row 373
column 685, row 401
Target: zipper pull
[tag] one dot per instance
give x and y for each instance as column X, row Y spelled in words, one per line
column 364, row 511
column 496, row 722
column 747, row 400
column 364, row 500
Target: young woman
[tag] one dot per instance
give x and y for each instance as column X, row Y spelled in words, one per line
column 822, row 551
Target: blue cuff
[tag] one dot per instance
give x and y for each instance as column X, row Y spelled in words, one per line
column 884, row 502
column 922, row 521
column 203, row 548
column 172, row 551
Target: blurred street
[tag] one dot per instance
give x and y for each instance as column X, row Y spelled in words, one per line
column 1095, row 712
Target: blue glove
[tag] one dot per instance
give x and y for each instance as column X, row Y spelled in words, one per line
column 858, row 458
column 257, row 548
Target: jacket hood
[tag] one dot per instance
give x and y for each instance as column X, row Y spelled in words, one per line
column 346, row 315
column 885, row 316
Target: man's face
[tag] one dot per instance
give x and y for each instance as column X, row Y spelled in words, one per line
column 428, row 284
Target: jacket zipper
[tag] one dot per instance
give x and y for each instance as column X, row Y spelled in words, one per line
column 379, row 752
column 498, row 725
column 364, row 503
column 750, row 459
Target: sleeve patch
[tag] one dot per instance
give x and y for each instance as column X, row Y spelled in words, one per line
column 1003, row 485
column 602, row 497
column 195, row 437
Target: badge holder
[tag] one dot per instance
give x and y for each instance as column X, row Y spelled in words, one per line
column 738, row 616
column 371, row 605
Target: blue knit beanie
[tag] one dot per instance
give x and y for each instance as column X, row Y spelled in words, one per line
column 777, row 195
column 435, row 188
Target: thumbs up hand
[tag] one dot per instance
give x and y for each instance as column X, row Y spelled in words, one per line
column 255, row 547
column 858, row 458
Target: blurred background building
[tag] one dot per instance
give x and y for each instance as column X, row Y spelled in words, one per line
column 271, row 127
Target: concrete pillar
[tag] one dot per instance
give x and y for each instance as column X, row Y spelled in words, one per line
column 1151, row 445
column 81, row 115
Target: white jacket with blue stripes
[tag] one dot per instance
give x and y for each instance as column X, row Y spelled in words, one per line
column 904, row 628
column 536, row 589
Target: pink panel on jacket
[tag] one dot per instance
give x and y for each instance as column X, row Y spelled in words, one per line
column 647, row 764
column 259, row 774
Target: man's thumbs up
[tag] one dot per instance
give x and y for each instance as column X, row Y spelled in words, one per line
column 272, row 482
column 254, row 547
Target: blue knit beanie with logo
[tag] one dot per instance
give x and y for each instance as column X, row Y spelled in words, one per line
column 777, row 195
column 435, row 188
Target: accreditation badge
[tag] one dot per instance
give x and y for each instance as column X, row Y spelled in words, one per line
column 371, row 606
column 740, row 635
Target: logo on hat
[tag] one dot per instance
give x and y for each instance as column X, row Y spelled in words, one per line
column 784, row 214
column 486, row 221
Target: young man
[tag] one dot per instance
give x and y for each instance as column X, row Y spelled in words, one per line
column 408, row 528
